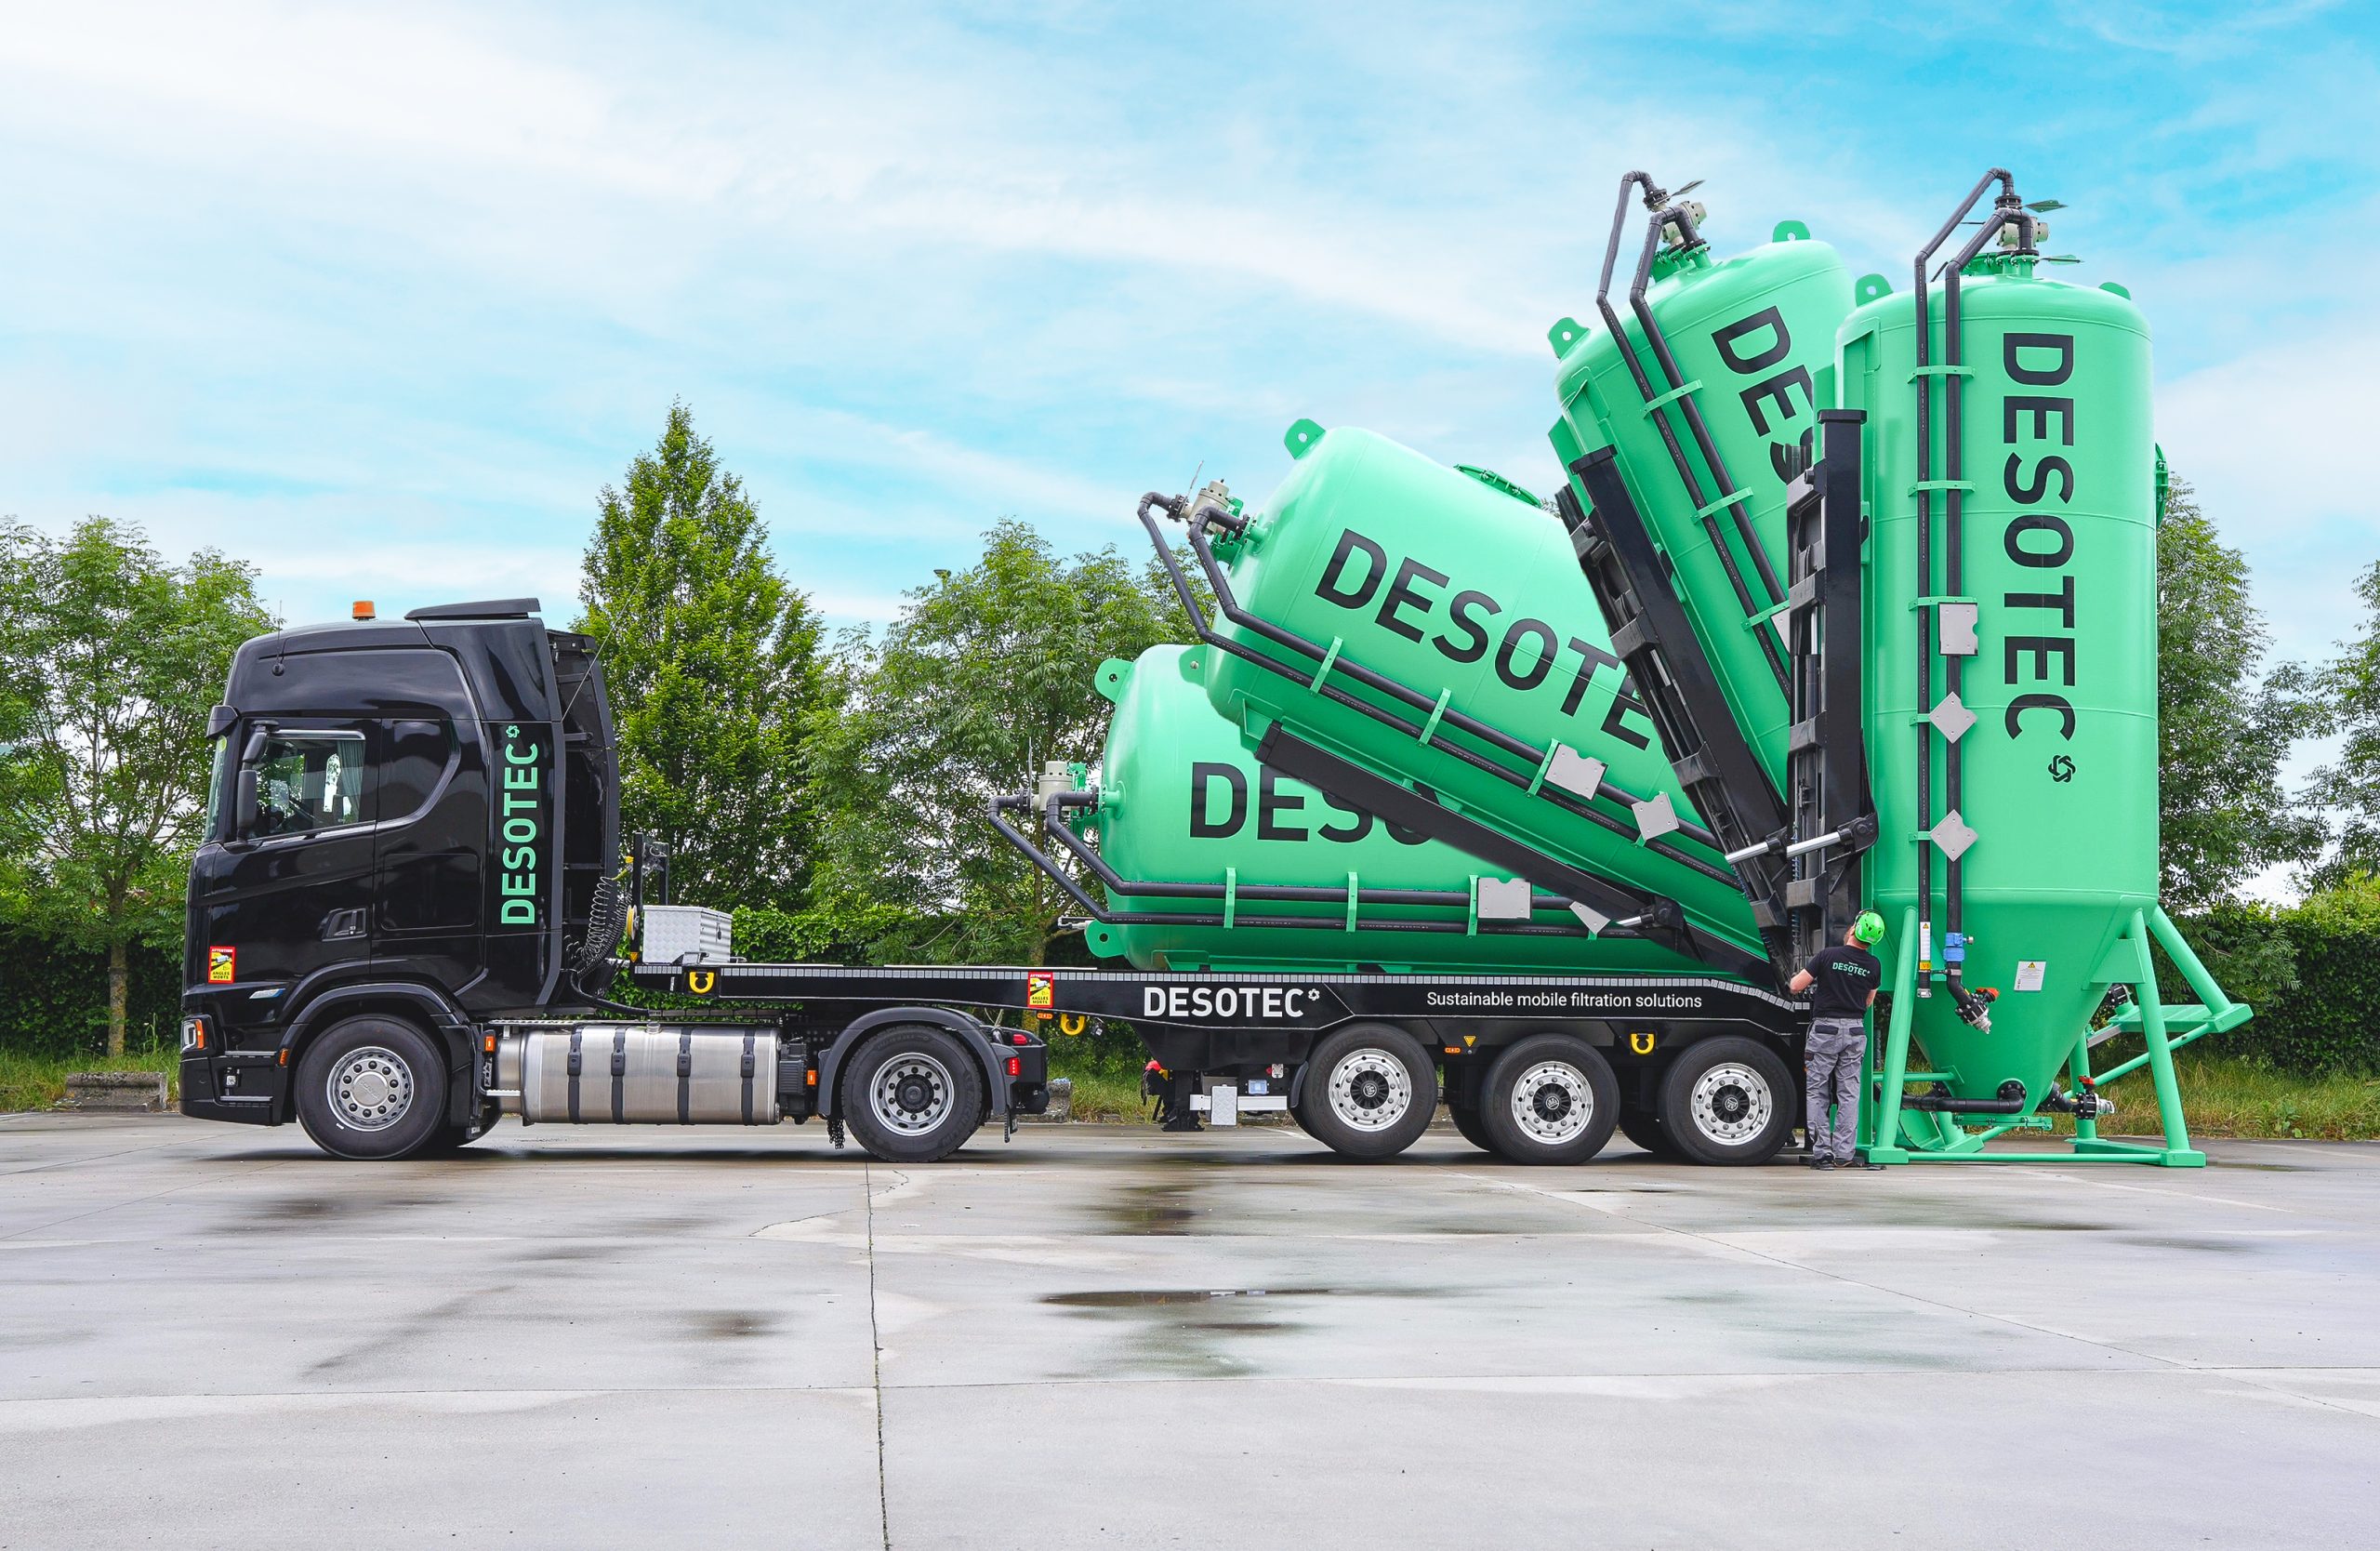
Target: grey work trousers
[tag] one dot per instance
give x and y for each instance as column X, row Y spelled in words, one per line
column 1831, row 1068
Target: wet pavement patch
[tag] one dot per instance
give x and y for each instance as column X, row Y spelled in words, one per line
column 730, row 1324
column 1199, row 1331
column 1146, row 1297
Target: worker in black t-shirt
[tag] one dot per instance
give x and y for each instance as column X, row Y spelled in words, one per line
column 1842, row 983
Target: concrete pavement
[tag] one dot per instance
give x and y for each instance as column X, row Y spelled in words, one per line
column 1107, row 1336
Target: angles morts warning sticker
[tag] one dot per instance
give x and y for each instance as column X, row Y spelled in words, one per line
column 222, row 965
column 1040, row 989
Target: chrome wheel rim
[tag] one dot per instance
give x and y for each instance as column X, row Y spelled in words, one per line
column 1553, row 1103
column 370, row 1089
column 1371, row 1090
column 1731, row 1103
column 912, row 1093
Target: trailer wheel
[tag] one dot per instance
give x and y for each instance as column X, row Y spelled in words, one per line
column 1643, row 1127
column 1549, row 1099
column 1369, row 1091
column 913, row 1094
column 1466, row 1121
column 372, row 1088
column 1728, row 1100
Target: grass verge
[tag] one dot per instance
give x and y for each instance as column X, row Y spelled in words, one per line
column 39, row 1082
column 2224, row 1096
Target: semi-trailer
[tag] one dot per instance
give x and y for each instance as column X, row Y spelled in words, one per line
column 1586, row 779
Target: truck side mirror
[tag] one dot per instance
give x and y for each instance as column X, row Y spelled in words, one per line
column 243, row 791
column 218, row 722
column 244, row 803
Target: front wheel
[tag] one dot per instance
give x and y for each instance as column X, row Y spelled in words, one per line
column 1728, row 1100
column 372, row 1088
column 913, row 1094
column 1369, row 1091
column 1550, row 1099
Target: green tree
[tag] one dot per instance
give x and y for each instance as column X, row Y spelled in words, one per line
column 2224, row 726
column 986, row 675
column 713, row 663
column 110, row 659
column 2350, row 785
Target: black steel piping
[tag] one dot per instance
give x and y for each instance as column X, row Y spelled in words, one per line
column 2008, row 1103
column 1229, row 606
column 2007, row 211
column 1276, row 893
column 1928, row 627
column 1637, row 303
column 1657, row 201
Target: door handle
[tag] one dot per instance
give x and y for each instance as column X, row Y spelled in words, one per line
column 343, row 923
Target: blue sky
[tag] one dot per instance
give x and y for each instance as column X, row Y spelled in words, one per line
column 380, row 299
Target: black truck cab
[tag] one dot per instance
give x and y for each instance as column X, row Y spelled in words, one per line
column 413, row 818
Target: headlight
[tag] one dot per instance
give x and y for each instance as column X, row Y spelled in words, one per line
column 193, row 1034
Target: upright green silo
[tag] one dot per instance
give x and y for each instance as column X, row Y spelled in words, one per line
column 1181, row 801
column 2010, row 589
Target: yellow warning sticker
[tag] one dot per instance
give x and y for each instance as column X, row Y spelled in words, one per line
column 222, row 965
column 1040, row 989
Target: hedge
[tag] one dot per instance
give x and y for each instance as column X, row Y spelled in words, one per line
column 2316, row 997
column 54, row 999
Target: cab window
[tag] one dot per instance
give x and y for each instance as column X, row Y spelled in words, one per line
column 310, row 781
column 218, row 787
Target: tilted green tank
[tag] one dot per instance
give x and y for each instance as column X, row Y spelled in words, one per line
column 2018, row 825
column 1462, row 591
column 1750, row 345
column 1181, row 801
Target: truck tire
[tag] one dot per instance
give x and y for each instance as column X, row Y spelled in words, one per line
column 1369, row 1091
column 912, row 1095
column 1466, row 1121
column 1728, row 1100
column 1550, row 1099
column 1643, row 1127
column 372, row 1087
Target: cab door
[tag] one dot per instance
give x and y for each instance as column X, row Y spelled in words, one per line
column 287, row 895
column 433, row 832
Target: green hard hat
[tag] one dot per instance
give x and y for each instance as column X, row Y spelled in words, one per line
column 1869, row 928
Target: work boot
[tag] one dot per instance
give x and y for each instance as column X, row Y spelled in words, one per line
column 1822, row 1164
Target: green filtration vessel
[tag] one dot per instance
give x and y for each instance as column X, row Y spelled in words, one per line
column 1707, row 389
column 2009, row 591
column 1180, row 800
column 1430, row 624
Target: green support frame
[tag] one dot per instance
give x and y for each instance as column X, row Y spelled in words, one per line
column 1893, row 1135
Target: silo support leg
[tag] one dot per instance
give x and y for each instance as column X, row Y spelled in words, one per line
column 1887, row 1148
column 2078, row 1076
column 2178, row 1153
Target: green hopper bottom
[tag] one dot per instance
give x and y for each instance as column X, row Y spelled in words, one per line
column 1893, row 1135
